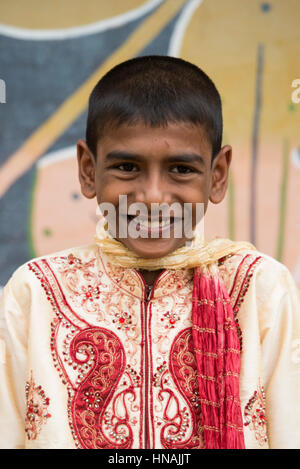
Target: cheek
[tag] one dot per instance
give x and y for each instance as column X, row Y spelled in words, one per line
column 198, row 196
column 196, row 192
column 107, row 191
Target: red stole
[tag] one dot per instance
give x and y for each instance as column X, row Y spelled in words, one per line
column 217, row 351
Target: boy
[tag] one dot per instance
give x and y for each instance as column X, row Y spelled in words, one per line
column 150, row 341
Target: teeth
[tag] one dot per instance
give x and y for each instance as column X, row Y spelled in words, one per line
column 165, row 222
column 153, row 224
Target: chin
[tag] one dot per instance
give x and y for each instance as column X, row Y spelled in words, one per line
column 152, row 248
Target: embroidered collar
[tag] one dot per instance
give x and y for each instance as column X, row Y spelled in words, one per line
column 131, row 281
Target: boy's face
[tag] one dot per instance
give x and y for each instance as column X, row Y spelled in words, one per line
column 149, row 165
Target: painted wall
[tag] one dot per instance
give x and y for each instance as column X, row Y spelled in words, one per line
column 53, row 52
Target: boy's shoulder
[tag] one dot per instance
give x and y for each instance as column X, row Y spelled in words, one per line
column 83, row 253
column 254, row 268
column 258, row 271
column 255, row 257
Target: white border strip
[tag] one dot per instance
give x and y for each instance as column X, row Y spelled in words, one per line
column 180, row 27
column 295, row 157
column 77, row 31
column 296, row 272
column 55, row 156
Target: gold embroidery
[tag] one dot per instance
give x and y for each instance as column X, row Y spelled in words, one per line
column 36, row 411
column 207, row 354
column 204, row 329
column 255, row 415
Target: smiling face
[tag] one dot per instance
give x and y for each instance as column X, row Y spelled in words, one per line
column 163, row 165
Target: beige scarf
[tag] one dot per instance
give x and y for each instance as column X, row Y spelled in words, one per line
column 199, row 253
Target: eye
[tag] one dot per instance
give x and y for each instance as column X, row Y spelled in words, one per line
column 127, row 167
column 181, row 169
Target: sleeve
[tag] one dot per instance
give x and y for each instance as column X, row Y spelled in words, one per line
column 14, row 307
column 281, row 361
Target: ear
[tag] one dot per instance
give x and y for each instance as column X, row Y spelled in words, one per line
column 220, row 173
column 86, row 169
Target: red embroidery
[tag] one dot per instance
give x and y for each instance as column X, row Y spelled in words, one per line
column 255, row 415
column 243, row 281
column 135, row 379
column 183, row 369
column 124, row 279
column 242, row 293
column 90, row 361
column 91, row 398
column 238, row 290
column 172, row 282
column 123, row 320
column 36, row 409
column 169, row 320
column 159, row 372
column 82, row 280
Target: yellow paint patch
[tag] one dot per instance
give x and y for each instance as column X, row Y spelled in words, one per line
column 223, row 39
column 55, row 14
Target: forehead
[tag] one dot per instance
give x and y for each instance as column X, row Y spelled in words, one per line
column 155, row 142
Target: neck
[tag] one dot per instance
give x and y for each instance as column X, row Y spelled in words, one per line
column 150, row 276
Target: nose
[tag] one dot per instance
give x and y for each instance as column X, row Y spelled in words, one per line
column 153, row 190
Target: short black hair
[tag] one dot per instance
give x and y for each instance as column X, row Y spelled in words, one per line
column 156, row 90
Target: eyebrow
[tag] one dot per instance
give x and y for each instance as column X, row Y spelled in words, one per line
column 186, row 158
column 121, row 155
column 180, row 158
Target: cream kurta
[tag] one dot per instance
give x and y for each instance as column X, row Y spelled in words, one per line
column 88, row 361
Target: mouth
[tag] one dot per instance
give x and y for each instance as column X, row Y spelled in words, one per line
column 152, row 227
